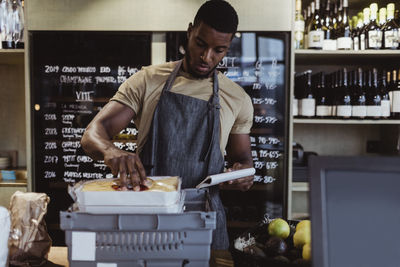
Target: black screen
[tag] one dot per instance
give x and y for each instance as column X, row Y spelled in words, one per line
column 73, row 75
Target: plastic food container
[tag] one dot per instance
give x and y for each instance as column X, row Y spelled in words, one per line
column 158, row 240
column 127, row 201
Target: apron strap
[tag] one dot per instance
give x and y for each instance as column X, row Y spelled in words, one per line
column 170, row 81
column 213, row 115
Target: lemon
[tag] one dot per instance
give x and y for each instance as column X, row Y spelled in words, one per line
column 279, row 227
column 303, row 223
column 307, row 251
column 301, row 237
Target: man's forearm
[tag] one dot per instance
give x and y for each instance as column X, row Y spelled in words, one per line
column 96, row 142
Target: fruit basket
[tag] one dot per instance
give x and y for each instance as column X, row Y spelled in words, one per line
column 257, row 248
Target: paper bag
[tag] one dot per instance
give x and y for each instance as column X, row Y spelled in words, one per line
column 29, row 241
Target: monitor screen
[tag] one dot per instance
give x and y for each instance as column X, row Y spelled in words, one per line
column 355, row 211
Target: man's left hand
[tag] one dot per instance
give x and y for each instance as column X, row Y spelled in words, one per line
column 242, row 184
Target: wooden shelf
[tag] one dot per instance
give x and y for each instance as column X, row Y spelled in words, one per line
column 300, row 187
column 337, row 121
column 12, row 56
column 13, row 183
column 346, row 57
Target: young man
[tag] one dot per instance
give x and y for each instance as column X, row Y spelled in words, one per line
column 187, row 113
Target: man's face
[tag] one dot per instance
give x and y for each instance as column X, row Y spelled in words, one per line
column 206, row 48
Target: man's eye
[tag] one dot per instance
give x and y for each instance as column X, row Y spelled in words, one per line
column 200, row 44
column 219, row 51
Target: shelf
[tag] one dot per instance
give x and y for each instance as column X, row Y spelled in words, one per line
column 300, row 187
column 13, row 183
column 343, row 57
column 12, row 56
column 337, row 121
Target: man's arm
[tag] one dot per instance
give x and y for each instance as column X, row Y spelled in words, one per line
column 239, row 157
column 96, row 142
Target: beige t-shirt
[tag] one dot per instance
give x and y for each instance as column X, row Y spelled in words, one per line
column 142, row 90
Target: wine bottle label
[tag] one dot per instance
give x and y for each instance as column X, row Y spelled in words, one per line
column 334, row 110
column 359, row 111
column 391, row 100
column 324, row 111
column 391, row 39
column 299, row 26
column 356, row 43
column 329, row 45
column 385, row 108
column 344, row 43
column 374, row 111
column 396, row 101
column 295, row 107
column 315, row 39
column 374, row 39
column 307, row 107
column 343, row 111
column 362, row 41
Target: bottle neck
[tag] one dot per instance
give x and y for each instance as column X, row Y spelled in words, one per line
column 390, row 14
column 373, row 15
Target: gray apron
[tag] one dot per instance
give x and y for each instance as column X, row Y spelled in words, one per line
column 184, row 141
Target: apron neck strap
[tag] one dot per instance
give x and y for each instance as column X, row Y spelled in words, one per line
column 170, row 81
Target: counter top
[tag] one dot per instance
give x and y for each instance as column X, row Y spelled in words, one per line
column 219, row 258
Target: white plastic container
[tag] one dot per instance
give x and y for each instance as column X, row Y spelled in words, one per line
column 128, row 201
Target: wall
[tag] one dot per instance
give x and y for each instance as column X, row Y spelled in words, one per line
column 149, row 15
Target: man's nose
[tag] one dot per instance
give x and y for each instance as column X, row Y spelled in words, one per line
column 206, row 55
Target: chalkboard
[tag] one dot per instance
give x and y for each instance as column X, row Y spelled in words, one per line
column 73, row 75
column 259, row 63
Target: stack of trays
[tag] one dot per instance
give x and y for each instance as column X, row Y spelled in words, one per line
column 4, row 162
column 106, row 202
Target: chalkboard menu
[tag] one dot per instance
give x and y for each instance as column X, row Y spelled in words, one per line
column 259, row 63
column 73, row 75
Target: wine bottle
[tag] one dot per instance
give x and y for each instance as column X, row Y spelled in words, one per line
column 373, row 37
column 396, row 95
column 344, row 102
column 363, row 33
column 357, row 33
column 298, row 27
column 315, row 32
column 385, row 99
column 307, row 102
column 343, row 31
column 382, row 17
column 323, row 106
column 339, row 12
column 359, row 108
column 329, row 42
column 397, row 17
column 391, row 31
column 307, row 23
column 373, row 96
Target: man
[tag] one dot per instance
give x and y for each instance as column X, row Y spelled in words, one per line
column 187, row 114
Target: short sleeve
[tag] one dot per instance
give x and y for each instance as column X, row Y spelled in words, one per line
column 244, row 119
column 131, row 92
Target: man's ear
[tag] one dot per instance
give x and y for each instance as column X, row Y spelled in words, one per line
column 189, row 30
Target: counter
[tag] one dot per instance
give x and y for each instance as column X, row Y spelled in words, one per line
column 219, row 258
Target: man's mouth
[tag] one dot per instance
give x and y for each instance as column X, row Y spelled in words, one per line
column 202, row 68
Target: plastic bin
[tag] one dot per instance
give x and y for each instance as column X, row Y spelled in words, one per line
column 159, row 240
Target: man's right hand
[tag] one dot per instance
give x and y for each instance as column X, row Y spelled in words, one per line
column 96, row 142
column 128, row 166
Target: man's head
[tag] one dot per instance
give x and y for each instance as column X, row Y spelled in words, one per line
column 209, row 37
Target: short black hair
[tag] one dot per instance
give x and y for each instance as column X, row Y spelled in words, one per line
column 219, row 15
